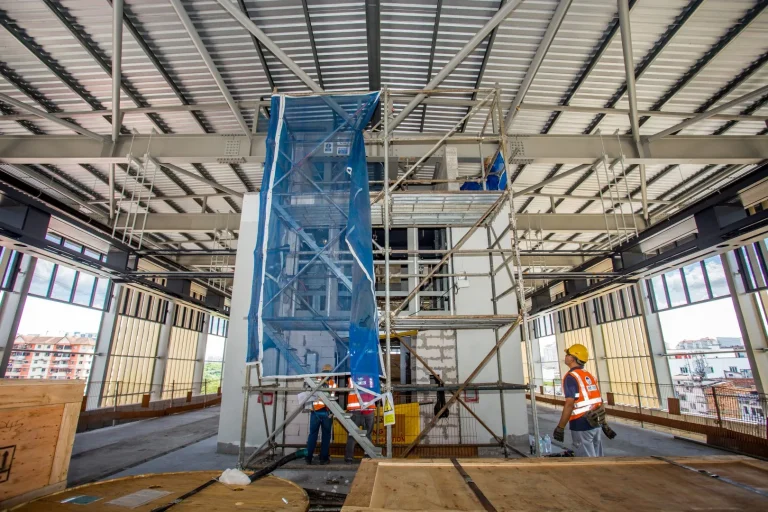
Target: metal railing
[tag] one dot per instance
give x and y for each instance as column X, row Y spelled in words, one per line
column 118, row 393
column 710, row 409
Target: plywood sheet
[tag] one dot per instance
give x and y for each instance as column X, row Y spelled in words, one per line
column 606, row 484
column 270, row 493
column 33, row 433
column 15, row 393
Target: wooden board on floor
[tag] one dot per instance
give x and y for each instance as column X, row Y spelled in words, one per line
column 269, row 493
column 605, row 484
column 38, row 420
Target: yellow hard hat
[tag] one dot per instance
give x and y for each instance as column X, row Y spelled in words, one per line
column 578, row 351
column 327, row 368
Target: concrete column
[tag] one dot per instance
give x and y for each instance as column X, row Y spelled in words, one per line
column 749, row 317
column 202, row 342
column 598, row 344
column 656, row 345
column 161, row 360
column 101, row 351
column 12, row 309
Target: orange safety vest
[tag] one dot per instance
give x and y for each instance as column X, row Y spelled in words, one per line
column 588, row 397
column 318, row 405
column 352, row 402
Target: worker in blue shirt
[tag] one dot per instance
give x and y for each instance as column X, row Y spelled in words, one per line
column 583, row 410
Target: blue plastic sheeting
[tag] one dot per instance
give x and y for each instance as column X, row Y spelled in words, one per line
column 495, row 180
column 313, row 301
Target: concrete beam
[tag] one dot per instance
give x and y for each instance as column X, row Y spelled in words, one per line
column 533, row 149
column 559, row 222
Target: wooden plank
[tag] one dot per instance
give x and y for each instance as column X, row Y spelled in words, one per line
column 66, row 439
column 362, row 486
column 270, row 493
column 16, row 393
column 599, row 485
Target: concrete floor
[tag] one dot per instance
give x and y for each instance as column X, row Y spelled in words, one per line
column 187, row 442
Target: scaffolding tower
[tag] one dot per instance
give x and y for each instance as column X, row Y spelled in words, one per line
column 483, row 209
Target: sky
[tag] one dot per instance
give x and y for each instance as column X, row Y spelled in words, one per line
column 710, row 319
column 42, row 316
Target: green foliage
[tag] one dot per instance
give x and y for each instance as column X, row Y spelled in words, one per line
column 211, row 377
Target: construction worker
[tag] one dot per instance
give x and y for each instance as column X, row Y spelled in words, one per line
column 320, row 418
column 583, row 408
column 362, row 417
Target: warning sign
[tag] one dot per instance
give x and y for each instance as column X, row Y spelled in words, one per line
column 389, row 410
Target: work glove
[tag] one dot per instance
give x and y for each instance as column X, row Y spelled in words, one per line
column 559, row 434
column 608, row 431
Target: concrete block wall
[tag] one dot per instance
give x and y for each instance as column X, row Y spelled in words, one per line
column 438, row 349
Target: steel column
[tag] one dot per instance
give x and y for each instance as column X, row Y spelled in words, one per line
column 629, row 69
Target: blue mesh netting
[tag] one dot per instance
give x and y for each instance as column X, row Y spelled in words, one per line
column 313, row 301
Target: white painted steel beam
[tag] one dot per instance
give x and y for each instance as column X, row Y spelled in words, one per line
column 45, row 115
column 203, row 51
column 533, row 149
column 503, row 13
column 538, row 58
column 559, row 222
column 709, row 113
column 437, row 101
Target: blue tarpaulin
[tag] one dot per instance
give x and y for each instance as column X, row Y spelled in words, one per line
column 313, row 300
column 496, row 178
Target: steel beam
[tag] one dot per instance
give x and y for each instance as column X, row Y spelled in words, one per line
column 117, row 57
column 538, row 58
column 558, row 222
column 203, row 51
column 457, row 59
column 709, row 113
column 438, row 101
column 629, row 70
column 45, row 115
column 545, row 149
column 312, row 44
column 251, row 27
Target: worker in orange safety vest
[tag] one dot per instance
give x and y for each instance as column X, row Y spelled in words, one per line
column 583, row 411
column 362, row 417
column 321, row 418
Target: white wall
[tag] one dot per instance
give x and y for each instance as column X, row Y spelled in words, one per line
column 474, row 345
column 236, row 346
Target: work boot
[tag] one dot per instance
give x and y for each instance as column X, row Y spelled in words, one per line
column 349, row 461
column 308, row 461
column 325, row 462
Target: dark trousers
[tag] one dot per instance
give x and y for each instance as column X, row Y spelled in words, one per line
column 363, row 422
column 317, row 420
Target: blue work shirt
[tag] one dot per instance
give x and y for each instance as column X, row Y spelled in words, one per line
column 571, row 388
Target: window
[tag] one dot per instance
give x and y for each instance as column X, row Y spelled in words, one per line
column 684, row 369
column 733, row 369
column 543, row 326
column 41, row 281
column 574, row 317
column 694, row 283
column 64, row 284
column 616, row 305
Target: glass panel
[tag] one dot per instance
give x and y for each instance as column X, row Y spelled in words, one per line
column 694, row 279
column 84, row 289
column 658, row 293
column 92, row 254
column 101, row 293
column 73, row 246
column 675, row 287
column 42, row 278
column 716, row 275
column 53, row 238
column 62, row 285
